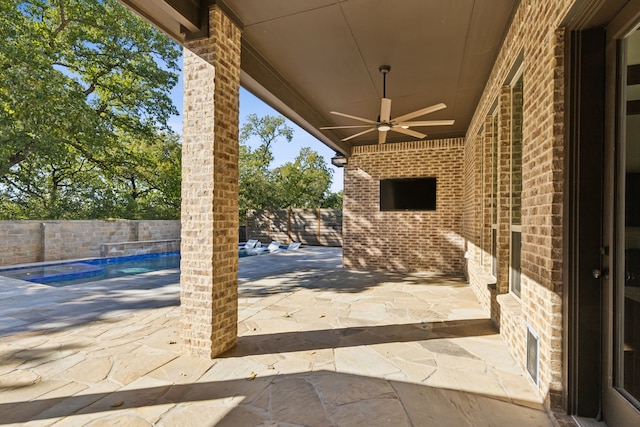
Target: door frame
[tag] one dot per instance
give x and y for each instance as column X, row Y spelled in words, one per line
column 592, row 93
column 583, row 206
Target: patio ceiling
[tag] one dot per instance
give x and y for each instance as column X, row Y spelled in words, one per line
column 307, row 58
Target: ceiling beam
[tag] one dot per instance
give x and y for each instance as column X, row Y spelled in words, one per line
column 180, row 19
column 187, row 12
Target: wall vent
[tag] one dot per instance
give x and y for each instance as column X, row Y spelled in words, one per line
column 533, row 354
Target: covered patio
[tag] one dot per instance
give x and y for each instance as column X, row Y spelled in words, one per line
column 528, row 140
column 318, row 345
column 310, row 60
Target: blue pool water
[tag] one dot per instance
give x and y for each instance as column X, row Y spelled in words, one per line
column 76, row 272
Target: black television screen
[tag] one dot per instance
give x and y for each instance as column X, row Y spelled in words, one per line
column 408, row 194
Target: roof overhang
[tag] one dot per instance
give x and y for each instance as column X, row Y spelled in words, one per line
column 308, row 58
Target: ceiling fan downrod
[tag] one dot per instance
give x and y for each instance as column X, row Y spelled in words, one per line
column 384, row 69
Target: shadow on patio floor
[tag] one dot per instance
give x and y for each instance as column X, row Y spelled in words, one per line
column 331, row 347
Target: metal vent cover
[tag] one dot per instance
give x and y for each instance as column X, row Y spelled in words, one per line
column 533, row 354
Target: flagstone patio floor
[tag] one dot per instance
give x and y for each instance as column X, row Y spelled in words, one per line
column 318, row 346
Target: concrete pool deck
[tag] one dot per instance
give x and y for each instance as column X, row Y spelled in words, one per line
column 318, row 345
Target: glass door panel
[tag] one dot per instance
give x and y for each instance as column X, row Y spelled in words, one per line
column 621, row 308
column 627, row 287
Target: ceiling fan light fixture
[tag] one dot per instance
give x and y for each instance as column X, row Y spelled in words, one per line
column 384, row 127
column 339, row 160
column 405, row 126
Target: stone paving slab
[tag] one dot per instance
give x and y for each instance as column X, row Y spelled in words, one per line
column 317, row 346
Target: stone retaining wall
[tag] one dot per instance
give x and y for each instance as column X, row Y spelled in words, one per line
column 36, row 241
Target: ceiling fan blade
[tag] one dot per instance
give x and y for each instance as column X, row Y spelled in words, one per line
column 385, row 110
column 372, row 122
column 358, row 134
column 409, row 132
column 346, row 127
column 419, row 113
column 382, row 137
column 427, row 123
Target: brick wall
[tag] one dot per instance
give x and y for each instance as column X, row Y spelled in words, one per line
column 316, row 227
column 23, row 242
column 404, row 240
column 536, row 39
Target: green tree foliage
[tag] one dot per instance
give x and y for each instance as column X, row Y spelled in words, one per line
column 268, row 130
column 303, row 183
column 334, row 200
column 84, row 106
column 256, row 189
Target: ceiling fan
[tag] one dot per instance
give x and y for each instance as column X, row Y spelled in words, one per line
column 385, row 124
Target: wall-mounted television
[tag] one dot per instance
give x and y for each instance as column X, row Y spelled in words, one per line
column 408, row 194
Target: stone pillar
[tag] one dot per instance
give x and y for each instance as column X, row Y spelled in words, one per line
column 209, row 266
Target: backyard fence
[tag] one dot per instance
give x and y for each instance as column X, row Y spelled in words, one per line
column 315, row 227
column 35, row 241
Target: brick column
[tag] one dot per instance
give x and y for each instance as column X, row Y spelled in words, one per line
column 478, row 201
column 504, row 188
column 209, row 266
column 487, row 193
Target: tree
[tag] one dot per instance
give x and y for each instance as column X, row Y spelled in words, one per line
column 303, row 183
column 256, row 187
column 334, row 200
column 148, row 179
column 84, row 97
column 267, row 129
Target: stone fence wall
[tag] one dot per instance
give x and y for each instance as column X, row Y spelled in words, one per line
column 35, row 241
column 315, row 227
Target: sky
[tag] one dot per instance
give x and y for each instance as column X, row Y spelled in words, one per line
column 283, row 151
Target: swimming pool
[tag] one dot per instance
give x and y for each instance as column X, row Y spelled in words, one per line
column 63, row 273
column 77, row 272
